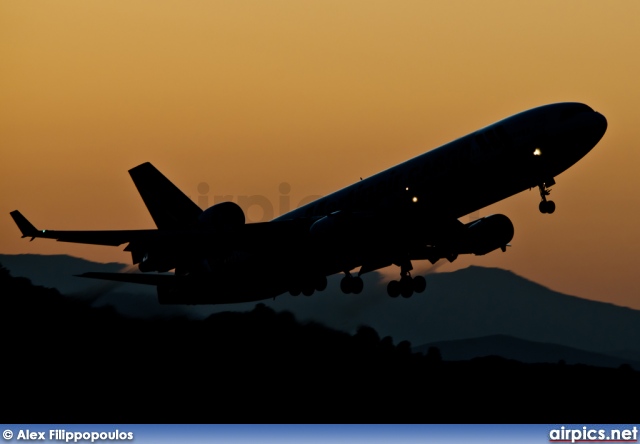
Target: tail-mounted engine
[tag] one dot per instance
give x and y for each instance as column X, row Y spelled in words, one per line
column 224, row 216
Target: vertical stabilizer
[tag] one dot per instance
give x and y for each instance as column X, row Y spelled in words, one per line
column 169, row 207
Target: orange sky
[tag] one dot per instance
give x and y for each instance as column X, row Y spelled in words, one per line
column 245, row 95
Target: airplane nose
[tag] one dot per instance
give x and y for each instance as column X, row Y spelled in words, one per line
column 600, row 124
column 574, row 137
column 584, row 128
column 594, row 125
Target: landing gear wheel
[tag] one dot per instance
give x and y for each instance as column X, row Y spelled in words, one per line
column 356, row 285
column 308, row 290
column 542, row 206
column 393, row 289
column 419, row 284
column 321, row 283
column 295, row 291
column 345, row 284
column 551, row 206
column 406, row 286
column 547, row 206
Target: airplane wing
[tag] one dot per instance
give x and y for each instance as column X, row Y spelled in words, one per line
column 134, row 278
column 97, row 237
column 244, row 237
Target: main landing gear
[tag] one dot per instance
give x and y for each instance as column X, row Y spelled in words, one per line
column 351, row 284
column 407, row 285
column 546, row 206
column 308, row 286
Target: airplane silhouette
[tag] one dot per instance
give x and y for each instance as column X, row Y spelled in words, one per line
column 406, row 213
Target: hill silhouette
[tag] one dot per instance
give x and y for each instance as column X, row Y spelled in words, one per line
column 69, row 362
column 468, row 303
column 477, row 302
column 521, row 350
column 59, row 271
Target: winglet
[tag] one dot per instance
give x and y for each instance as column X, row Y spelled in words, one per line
column 26, row 227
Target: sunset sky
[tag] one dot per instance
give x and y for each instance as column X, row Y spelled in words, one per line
column 244, row 96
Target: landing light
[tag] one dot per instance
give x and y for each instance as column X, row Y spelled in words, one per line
column 407, row 189
column 537, row 152
column 415, row 199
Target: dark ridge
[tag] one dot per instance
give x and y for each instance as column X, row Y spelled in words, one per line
column 468, row 303
column 523, row 351
column 69, row 362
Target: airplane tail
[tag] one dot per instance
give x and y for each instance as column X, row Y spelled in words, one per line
column 169, row 207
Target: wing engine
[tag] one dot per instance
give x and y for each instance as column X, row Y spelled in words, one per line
column 487, row 234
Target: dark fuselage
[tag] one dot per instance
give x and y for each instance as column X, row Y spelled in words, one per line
column 476, row 170
column 394, row 214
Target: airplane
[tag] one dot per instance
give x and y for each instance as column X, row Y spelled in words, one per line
column 407, row 213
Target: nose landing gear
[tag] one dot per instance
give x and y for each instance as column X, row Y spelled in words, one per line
column 546, row 206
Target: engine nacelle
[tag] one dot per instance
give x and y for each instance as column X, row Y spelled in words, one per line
column 487, row 234
column 223, row 216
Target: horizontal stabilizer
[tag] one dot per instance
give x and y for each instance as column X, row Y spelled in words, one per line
column 26, row 227
column 133, row 278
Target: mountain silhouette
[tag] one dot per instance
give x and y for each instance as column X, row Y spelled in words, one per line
column 476, row 302
column 67, row 361
column 468, row 303
column 521, row 350
column 57, row 271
